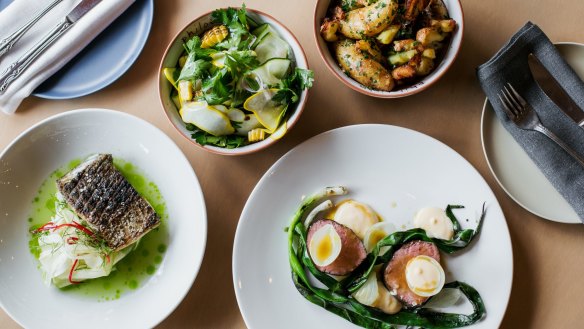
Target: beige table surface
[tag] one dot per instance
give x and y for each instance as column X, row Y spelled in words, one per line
column 548, row 282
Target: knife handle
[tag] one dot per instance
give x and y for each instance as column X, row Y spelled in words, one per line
column 7, row 43
column 15, row 69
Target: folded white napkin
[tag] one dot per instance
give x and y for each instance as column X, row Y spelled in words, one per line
column 62, row 51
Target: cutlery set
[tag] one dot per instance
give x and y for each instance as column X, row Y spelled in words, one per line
column 525, row 117
column 15, row 69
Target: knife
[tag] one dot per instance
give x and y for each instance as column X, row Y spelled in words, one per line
column 554, row 91
column 15, row 69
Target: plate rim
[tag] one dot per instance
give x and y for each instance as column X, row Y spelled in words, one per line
column 183, row 158
column 268, row 172
column 127, row 65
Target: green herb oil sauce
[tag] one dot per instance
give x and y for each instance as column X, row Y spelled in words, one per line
column 134, row 270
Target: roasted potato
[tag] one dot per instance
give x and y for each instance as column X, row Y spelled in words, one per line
column 368, row 21
column 328, row 30
column 429, row 35
column 414, row 7
column 363, row 69
column 386, row 37
column 370, row 48
column 403, row 72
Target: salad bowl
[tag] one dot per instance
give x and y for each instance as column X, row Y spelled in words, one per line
column 176, row 49
column 56, row 141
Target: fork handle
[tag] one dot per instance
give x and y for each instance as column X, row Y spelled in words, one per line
column 7, row 43
column 15, row 69
column 558, row 141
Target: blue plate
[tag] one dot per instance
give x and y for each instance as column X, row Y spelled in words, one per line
column 105, row 59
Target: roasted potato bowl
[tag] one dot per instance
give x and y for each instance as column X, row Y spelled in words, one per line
column 387, row 44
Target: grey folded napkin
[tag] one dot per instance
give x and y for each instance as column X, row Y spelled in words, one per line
column 509, row 65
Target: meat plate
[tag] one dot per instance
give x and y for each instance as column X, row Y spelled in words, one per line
column 396, row 171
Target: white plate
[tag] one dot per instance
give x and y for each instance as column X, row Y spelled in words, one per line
column 54, row 142
column 395, row 170
column 528, row 186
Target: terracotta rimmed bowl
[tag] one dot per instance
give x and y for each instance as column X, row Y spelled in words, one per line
column 175, row 50
column 455, row 12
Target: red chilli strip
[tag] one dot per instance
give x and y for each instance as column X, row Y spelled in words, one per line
column 73, row 224
column 72, row 240
column 71, row 273
column 44, row 227
column 82, row 228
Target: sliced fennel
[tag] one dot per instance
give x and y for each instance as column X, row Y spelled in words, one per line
column 206, row 118
column 280, row 132
column 267, row 111
column 271, row 46
column 261, row 32
column 218, row 59
column 170, row 75
column 70, row 255
column 249, row 123
column 272, row 71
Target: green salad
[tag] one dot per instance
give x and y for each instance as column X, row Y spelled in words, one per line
column 237, row 83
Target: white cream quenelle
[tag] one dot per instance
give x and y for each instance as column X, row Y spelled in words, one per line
column 434, row 221
column 357, row 216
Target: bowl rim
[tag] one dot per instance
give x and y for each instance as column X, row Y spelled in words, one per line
column 422, row 85
column 266, row 142
column 105, row 111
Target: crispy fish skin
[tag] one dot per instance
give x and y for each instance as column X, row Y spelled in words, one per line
column 101, row 195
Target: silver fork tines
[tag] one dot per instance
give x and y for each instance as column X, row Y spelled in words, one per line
column 525, row 117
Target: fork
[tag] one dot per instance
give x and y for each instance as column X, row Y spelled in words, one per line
column 525, row 117
column 7, row 43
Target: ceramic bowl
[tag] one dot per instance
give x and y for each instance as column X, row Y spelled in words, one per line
column 455, row 12
column 53, row 143
column 175, row 50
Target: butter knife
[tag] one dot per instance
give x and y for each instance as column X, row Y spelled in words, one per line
column 15, row 69
column 554, row 91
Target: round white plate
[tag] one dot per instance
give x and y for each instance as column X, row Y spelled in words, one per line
column 528, row 186
column 54, row 142
column 395, row 170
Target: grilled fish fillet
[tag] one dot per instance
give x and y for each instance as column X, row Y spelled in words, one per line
column 100, row 195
